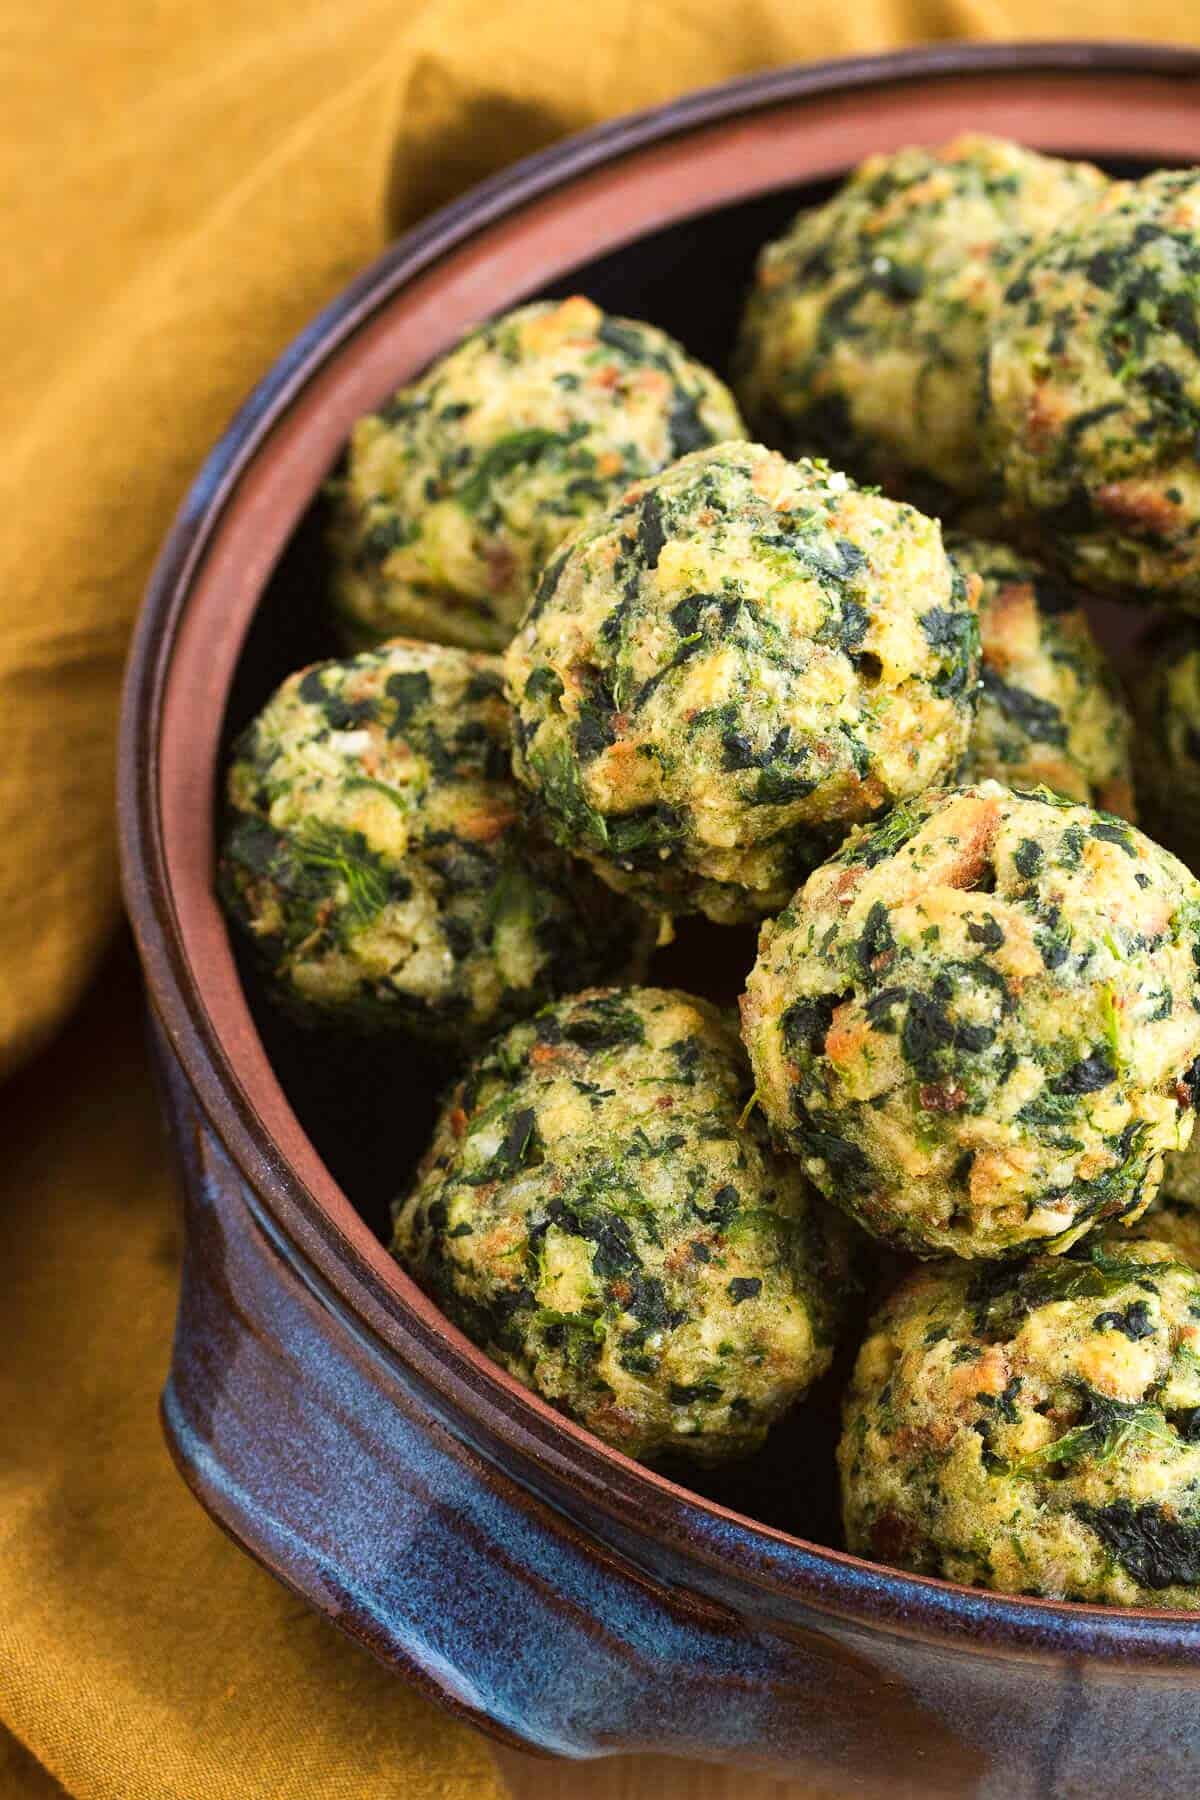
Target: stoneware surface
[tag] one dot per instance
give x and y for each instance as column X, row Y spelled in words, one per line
column 562, row 1597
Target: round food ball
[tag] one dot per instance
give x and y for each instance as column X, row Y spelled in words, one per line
column 1165, row 691
column 721, row 676
column 864, row 334
column 1170, row 1220
column 1181, row 1178
column 375, row 856
column 1093, row 390
column 978, row 1025
column 456, row 492
column 1173, row 1216
column 595, row 1214
column 1034, row 1428
column 1050, row 712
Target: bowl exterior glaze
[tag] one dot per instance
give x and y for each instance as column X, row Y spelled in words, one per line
column 322, row 1410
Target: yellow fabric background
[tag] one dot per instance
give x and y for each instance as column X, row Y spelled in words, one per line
column 185, row 182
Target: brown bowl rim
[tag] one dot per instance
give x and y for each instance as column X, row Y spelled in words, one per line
column 404, row 1327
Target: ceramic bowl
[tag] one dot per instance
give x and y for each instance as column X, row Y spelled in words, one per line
column 324, row 1412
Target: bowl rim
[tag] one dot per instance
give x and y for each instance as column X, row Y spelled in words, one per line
column 462, row 1378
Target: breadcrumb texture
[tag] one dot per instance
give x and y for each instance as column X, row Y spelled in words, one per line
column 1050, row 711
column 864, row 335
column 978, row 1025
column 375, row 856
column 1165, row 692
column 455, row 492
column 743, row 659
column 1174, row 1213
column 595, row 1214
column 1035, row 1428
column 1093, row 391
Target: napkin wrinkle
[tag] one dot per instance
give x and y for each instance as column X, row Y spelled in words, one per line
column 142, row 1655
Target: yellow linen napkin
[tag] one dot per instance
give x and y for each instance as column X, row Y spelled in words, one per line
column 141, row 1653
column 185, row 182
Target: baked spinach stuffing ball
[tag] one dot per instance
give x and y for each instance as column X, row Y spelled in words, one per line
column 375, row 856
column 1165, row 692
column 595, row 1215
column 1181, row 1178
column 1173, row 1215
column 864, row 334
column 978, row 1025
column 457, row 490
column 1034, row 1428
column 1174, row 1221
column 718, row 678
column 1093, row 390
column 1050, row 712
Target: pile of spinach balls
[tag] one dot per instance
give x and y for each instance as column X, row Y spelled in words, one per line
column 620, row 668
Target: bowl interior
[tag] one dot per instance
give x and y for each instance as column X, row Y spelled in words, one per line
column 368, row 1105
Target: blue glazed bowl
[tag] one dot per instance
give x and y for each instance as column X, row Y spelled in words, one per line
column 324, row 1412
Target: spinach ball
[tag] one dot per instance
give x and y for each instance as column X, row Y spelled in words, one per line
column 1173, row 1215
column 1034, row 1428
column 978, row 1025
column 1165, row 692
column 1181, row 1178
column 595, row 1214
column 722, row 675
column 457, row 490
column 865, row 331
column 375, row 857
column 1093, row 391
column 1050, row 712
